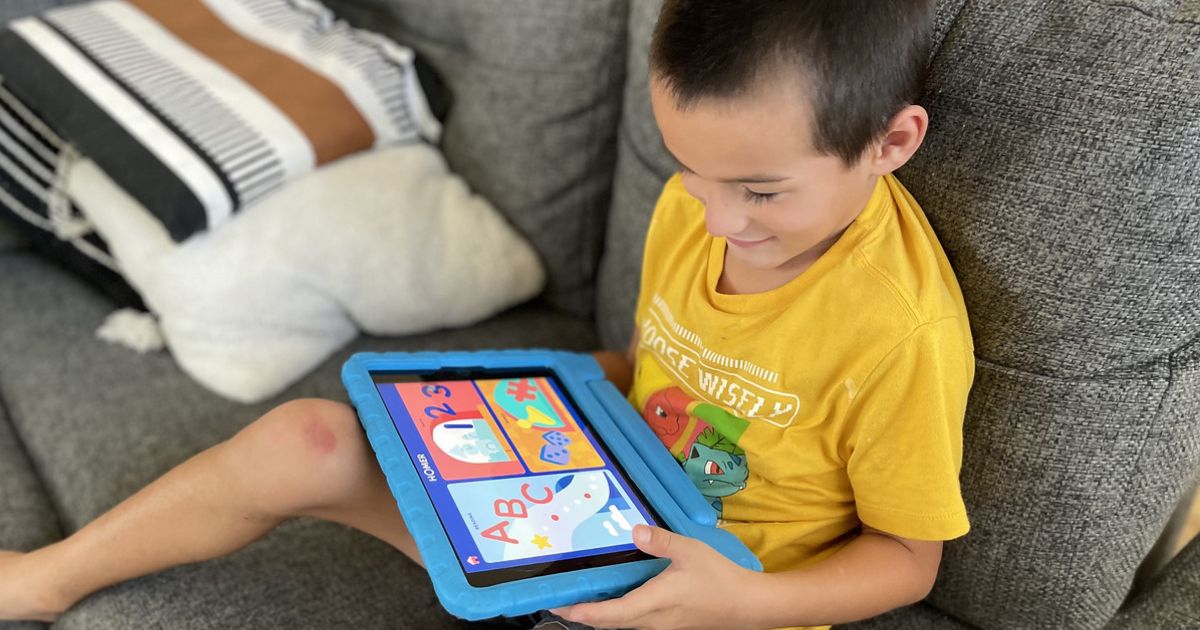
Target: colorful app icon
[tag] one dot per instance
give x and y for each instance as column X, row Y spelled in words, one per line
column 460, row 433
column 514, row 519
column 470, row 440
column 541, row 428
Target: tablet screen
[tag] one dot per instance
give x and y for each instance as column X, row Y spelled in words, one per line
column 518, row 479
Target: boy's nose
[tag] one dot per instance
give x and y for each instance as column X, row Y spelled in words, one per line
column 722, row 212
column 723, row 217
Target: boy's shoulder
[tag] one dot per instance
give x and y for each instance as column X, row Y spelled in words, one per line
column 901, row 257
column 676, row 204
column 676, row 223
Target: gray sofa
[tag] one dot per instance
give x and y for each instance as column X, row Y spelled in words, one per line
column 1061, row 173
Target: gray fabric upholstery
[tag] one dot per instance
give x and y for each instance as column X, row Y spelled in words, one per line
column 642, row 167
column 27, row 520
column 101, row 421
column 305, row 574
column 10, row 9
column 1171, row 603
column 919, row 617
column 1067, row 483
column 1058, row 174
column 536, row 90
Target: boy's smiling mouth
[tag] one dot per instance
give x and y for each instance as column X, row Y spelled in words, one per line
column 745, row 244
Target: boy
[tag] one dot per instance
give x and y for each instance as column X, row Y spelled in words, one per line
column 802, row 348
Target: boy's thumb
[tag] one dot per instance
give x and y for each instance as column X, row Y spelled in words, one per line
column 658, row 542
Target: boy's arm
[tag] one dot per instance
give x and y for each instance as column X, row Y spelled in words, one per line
column 874, row 573
column 618, row 367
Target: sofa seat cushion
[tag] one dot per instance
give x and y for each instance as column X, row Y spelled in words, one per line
column 27, row 520
column 305, row 574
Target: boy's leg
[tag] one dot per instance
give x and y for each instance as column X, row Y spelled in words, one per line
column 304, row 458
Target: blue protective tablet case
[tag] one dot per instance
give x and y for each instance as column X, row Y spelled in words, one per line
column 628, row 438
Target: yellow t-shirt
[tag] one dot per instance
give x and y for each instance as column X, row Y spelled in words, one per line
column 834, row 400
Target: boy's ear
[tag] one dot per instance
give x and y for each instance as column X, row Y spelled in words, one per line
column 905, row 133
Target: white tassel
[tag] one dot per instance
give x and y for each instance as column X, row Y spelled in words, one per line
column 133, row 329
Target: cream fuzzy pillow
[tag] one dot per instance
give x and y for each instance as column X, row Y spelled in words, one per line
column 387, row 242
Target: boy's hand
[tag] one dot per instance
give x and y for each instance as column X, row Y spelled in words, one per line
column 700, row 589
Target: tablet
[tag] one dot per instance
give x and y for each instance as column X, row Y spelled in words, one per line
column 521, row 475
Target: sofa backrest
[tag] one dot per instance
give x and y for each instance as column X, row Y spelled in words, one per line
column 535, row 88
column 1061, row 177
column 1060, row 173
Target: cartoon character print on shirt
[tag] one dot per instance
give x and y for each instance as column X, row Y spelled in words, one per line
column 703, row 437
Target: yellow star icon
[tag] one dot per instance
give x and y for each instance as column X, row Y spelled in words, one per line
column 541, row 541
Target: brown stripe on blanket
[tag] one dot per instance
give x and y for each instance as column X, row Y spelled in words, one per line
column 332, row 123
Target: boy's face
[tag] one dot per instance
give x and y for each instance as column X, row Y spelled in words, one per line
column 750, row 160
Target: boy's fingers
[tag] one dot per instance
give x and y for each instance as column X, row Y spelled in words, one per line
column 622, row 612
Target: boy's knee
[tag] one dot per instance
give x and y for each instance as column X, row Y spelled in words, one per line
column 305, row 431
column 302, row 452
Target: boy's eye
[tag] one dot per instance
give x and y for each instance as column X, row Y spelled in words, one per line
column 757, row 197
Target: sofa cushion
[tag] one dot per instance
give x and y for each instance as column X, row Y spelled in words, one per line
column 917, row 617
column 536, row 92
column 643, row 165
column 1068, row 483
column 305, row 574
column 1060, row 175
column 27, row 520
column 1170, row 600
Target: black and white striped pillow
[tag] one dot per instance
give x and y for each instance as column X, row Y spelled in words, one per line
column 196, row 108
column 200, row 108
column 33, row 164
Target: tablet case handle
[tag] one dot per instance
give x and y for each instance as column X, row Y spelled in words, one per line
column 654, row 454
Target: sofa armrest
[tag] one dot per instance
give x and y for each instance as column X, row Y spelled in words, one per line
column 1169, row 600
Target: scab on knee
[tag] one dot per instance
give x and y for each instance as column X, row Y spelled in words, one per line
column 319, row 437
column 318, row 427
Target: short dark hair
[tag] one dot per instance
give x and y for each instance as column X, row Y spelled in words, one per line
column 862, row 60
